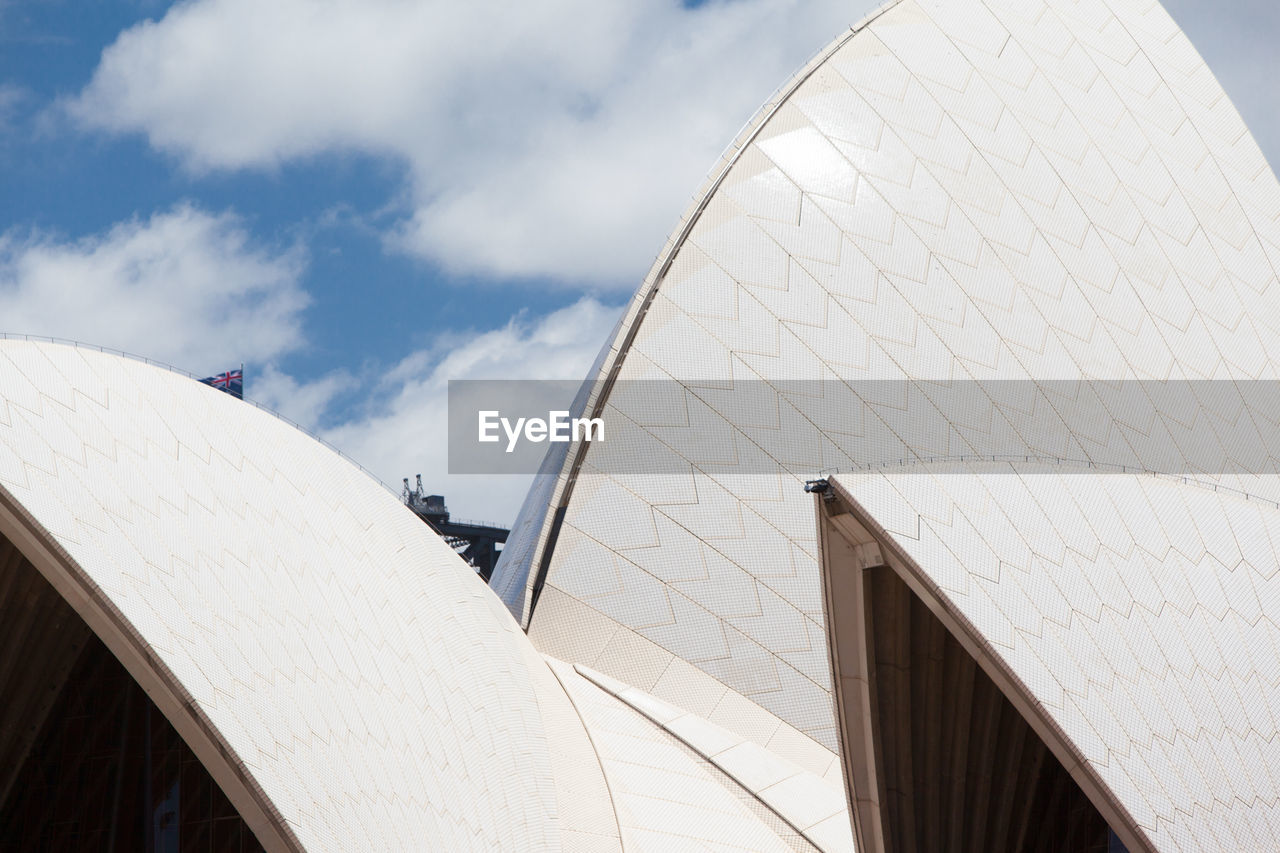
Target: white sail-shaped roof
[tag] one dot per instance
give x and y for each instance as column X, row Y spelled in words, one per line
column 1135, row 614
column 344, row 677
column 955, row 190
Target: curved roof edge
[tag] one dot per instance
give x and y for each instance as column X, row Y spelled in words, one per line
column 812, row 806
column 1118, row 816
column 285, row 613
column 182, row 371
column 162, row 685
column 516, row 580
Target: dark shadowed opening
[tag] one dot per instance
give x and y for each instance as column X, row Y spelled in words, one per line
column 87, row 761
column 959, row 767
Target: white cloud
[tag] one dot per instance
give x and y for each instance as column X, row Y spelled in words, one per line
column 558, row 138
column 184, row 287
column 402, row 435
column 303, row 402
column 11, row 96
column 188, row 288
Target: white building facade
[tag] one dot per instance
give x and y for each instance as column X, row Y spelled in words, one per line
column 998, row 276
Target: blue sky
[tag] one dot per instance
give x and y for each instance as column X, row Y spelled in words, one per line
column 360, row 199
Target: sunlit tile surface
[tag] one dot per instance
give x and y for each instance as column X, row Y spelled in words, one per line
column 956, row 190
column 1138, row 612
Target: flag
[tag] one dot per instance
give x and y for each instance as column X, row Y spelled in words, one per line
column 232, row 382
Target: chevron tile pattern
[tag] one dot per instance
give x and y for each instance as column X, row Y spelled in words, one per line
column 956, row 190
column 355, row 670
column 372, row 689
column 1140, row 613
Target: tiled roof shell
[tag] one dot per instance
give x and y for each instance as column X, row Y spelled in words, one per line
column 954, row 191
column 345, row 677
